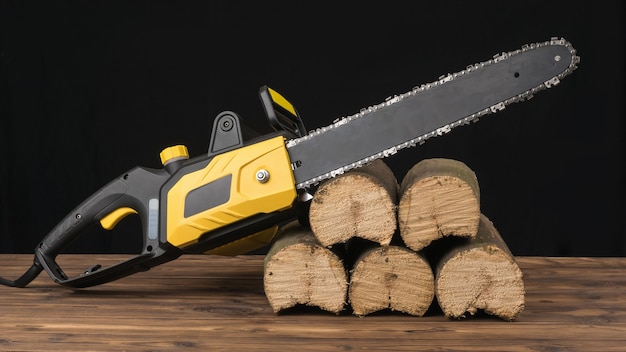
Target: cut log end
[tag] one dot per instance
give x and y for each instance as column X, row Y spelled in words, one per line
column 439, row 197
column 481, row 278
column 482, row 275
column 360, row 203
column 392, row 278
column 299, row 271
column 306, row 274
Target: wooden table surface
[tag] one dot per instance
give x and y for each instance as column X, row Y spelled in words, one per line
column 213, row 303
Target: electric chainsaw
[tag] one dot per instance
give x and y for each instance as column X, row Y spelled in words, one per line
column 233, row 199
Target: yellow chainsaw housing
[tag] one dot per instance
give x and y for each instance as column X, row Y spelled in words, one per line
column 232, row 174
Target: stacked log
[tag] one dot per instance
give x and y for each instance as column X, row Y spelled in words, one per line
column 299, row 271
column 374, row 244
column 359, row 203
column 480, row 274
column 438, row 197
column 391, row 277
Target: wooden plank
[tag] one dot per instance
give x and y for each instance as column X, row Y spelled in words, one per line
column 218, row 304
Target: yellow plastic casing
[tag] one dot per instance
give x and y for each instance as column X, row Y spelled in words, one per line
column 248, row 196
column 280, row 100
column 246, row 244
column 173, row 153
column 109, row 221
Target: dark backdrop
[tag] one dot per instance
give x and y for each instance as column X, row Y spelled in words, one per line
column 90, row 89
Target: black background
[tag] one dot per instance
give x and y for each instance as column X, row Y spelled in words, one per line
column 90, row 89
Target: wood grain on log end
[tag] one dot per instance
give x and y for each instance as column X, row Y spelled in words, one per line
column 481, row 275
column 391, row 277
column 359, row 203
column 299, row 271
column 438, row 197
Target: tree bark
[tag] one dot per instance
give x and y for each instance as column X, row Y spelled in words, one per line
column 438, row 197
column 480, row 274
column 391, row 277
column 299, row 271
column 359, row 203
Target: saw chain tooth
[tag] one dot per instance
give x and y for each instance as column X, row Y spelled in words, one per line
column 390, row 151
column 447, row 78
column 552, row 82
column 443, row 130
column 337, row 172
column 497, row 107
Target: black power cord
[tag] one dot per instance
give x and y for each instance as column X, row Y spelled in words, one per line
column 26, row 278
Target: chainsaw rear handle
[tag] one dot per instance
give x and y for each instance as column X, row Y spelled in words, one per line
column 134, row 192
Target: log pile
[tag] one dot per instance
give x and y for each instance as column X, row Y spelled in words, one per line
column 374, row 244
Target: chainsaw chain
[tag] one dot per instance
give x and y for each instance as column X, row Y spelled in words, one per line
column 444, row 129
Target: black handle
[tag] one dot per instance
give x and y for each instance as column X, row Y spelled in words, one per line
column 281, row 114
column 83, row 216
column 138, row 190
